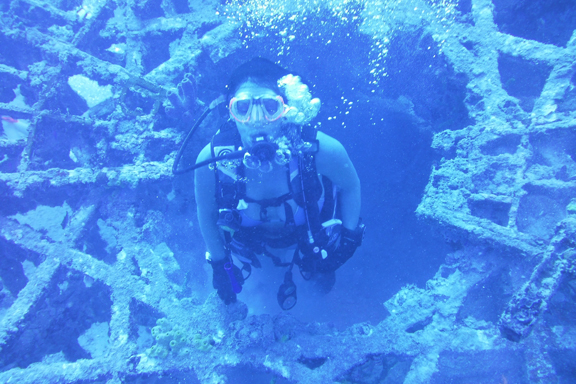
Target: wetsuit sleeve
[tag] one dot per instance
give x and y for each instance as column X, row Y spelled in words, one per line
column 207, row 207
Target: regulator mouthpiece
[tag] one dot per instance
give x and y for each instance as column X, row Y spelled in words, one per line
column 261, row 155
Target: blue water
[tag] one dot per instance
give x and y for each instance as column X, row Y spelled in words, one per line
column 99, row 240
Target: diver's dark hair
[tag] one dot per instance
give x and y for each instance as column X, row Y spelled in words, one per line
column 259, row 70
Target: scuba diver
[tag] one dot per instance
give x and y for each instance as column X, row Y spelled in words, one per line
column 271, row 185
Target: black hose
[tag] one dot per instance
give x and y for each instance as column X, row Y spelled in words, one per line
column 228, row 156
column 175, row 169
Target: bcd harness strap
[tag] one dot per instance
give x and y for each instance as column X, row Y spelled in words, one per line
column 230, row 190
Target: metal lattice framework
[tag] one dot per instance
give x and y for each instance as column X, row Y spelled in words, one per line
column 509, row 162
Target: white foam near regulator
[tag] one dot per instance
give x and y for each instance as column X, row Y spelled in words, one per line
column 302, row 107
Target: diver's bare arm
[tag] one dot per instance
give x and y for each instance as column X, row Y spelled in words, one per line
column 204, row 189
column 333, row 162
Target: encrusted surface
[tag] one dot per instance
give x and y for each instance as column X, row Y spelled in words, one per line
column 93, row 255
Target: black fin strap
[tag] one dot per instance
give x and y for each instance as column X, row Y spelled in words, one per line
column 329, row 206
column 289, row 215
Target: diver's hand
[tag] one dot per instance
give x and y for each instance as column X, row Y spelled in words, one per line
column 222, row 280
column 340, row 250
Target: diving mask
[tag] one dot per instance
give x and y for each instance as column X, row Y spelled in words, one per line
column 271, row 107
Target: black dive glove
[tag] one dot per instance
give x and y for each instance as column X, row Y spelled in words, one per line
column 341, row 246
column 227, row 279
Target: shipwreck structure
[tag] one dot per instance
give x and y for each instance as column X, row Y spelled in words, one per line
column 97, row 238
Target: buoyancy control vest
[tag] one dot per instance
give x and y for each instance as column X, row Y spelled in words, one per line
column 304, row 185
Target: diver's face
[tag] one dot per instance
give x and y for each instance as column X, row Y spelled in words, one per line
column 258, row 124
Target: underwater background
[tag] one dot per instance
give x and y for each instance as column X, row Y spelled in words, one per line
column 460, row 117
